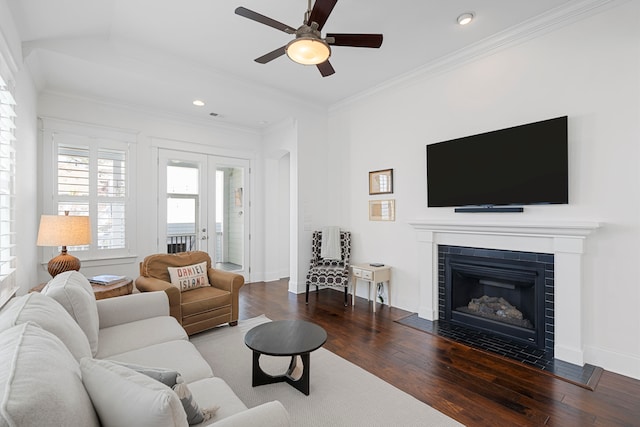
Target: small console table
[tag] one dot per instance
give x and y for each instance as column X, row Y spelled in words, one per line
column 372, row 275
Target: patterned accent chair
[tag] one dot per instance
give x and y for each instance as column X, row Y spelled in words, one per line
column 331, row 273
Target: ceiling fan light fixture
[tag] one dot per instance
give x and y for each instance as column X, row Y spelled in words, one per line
column 308, row 50
column 465, row 18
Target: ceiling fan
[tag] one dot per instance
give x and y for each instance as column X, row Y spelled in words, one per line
column 309, row 48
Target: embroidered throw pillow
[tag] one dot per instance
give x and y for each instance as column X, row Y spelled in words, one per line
column 189, row 277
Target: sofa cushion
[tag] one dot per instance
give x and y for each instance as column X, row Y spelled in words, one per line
column 156, row 265
column 50, row 316
column 73, row 291
column 124, row 397
column 204, row 299
column 178, row 355
column 214, row 391
column 40, row 383
column 195, row 415
column 189, row 277
column 139, row 334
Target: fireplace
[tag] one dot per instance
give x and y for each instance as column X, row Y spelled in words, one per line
column 564, row 239
column 506, row 293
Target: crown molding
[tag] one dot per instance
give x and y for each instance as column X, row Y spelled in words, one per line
column 544, row 23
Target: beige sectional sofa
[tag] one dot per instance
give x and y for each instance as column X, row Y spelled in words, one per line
column 67, row 359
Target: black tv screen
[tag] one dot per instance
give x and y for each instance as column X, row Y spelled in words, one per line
column 521, row 165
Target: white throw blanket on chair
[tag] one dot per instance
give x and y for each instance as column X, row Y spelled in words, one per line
column 330, row 246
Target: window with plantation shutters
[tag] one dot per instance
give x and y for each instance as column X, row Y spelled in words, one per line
column 91, row 176
column 111, row 192
column 7, row 187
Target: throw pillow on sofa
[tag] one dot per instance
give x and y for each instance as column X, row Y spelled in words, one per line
column 50, row 316
column 189, row 277
column 73, row 291
column 40, row 383
column 124, row 397
column 173, row 379
column 167, row 377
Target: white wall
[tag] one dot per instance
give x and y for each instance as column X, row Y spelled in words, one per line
column 284, row 221
column 590, row 71
column 279, row 142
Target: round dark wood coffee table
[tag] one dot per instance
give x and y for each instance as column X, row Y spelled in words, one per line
column 294, row 338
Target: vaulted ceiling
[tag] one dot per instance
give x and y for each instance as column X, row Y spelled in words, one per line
column 160, row 55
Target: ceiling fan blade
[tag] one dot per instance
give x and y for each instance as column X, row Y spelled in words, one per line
column 325, row 68
column 271, row 55
column 255, row 16
column 355, row 40
column 320, row 12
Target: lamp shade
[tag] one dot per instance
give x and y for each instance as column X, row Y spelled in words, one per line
column 62, row 230
column 59, row 230
column 308, row 50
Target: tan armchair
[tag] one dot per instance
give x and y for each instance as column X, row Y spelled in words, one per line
column 196, row 309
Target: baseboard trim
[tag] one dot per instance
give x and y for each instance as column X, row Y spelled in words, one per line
column 620, row 363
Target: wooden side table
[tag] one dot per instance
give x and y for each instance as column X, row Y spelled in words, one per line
column 124, row 287
column 372, row 275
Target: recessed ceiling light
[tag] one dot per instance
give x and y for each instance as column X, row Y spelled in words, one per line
column 198, row 103
column 465, row 18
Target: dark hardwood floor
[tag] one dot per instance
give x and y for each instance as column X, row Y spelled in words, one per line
column 473, row 387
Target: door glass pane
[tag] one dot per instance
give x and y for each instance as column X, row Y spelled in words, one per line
column 219, row 215
column 182, row 179
column 181, row 215
column 230, row 218
column 182, row 208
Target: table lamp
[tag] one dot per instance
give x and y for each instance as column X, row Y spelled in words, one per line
column 63, row 230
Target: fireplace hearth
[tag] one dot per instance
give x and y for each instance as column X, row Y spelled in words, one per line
column 508, row 294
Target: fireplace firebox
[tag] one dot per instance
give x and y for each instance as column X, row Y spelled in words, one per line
column 506, row 293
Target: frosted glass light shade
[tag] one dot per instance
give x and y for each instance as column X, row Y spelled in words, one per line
column 308, row 51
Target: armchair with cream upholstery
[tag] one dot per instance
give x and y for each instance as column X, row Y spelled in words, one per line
column 196, row 309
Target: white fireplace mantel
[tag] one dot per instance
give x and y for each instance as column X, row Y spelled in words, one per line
column 549, row 229
column 563, row 239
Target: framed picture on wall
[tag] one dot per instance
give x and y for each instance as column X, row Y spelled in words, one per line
column 382, row 210
column 381, row 182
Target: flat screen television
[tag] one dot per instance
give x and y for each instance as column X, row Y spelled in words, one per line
column 520, row 165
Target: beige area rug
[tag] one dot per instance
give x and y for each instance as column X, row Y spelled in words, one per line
column 341, row 393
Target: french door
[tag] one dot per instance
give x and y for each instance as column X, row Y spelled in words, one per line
column 202, row 206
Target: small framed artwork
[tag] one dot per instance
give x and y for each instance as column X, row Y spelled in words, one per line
column 381, row 182
column 382, row 210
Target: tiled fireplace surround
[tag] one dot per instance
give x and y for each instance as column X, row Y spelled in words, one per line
column 565, row 240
